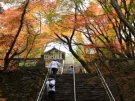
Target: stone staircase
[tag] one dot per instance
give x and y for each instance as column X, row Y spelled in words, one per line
column 88, row 88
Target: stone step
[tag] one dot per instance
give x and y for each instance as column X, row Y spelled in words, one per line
column 85, row 90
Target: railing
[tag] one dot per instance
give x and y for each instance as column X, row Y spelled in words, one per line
column 74, row 81
column 62, row 68
column 43, row 88
column 109, row 93
column 44, row 84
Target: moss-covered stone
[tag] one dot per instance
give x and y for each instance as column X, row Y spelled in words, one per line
column 23, row 84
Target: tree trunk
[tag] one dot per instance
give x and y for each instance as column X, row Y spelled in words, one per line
column 6, row 63
column 83, row 62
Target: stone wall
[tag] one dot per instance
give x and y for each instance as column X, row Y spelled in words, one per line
column 23, row 83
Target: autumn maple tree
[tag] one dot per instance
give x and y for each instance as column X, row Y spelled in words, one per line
column 21, row 31
column 76, row 23
column 99, row 23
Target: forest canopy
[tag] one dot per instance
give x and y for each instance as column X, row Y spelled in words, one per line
column 97, row 28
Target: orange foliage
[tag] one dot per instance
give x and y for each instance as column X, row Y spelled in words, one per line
column 91, row 46
column 11, row 22
column 94, row 9
column 10, row 19
column 2, row 99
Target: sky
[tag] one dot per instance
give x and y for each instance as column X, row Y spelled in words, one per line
column 2, row 5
